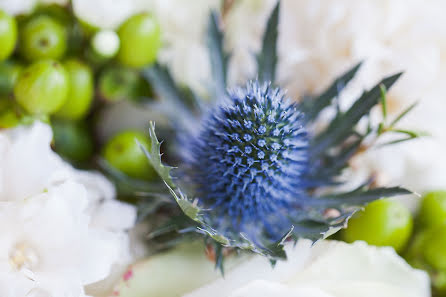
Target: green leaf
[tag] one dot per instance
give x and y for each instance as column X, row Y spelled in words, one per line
column 174, row 224
column 383, row 100
column 342, row 126
column 221, row 239
column 160, row 79
column 130, row 187
column 313, row 106
column 277, row 249
column 153, row 155
column 218, row 57
column 359, row 197
column 403, row 114
column 148, row 207
column 219, row 258
column 411, row 133
column 189, row 209
column 333, row 164
column 267, row 58
column 409, row 136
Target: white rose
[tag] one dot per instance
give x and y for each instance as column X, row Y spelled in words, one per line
column 328, row 269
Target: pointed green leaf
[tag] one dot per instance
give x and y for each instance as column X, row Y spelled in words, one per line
column 153, row 155
column 409, row 135
column 403, row 114
column 189, row 209
column 313, row 106
column 127, row 185
column 160, row 79
column 333, row 164
column 276, row 250
column 359, row 197
column 218, row 57
column 267, row 58
column 342, row 126
column 383, row 100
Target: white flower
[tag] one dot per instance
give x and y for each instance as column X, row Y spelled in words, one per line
column 47, row 244
column 28, row 168
column 328, row 269
column 28, row 165
column 104, row 14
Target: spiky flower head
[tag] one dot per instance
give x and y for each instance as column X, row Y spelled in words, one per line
column 249, row 161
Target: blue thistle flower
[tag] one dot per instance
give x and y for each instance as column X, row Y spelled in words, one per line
column 249, row 161
column 253, row 162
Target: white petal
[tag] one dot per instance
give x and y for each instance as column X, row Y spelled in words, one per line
column 28, row 170
column 103, row 14
column 270, row 289
column 339, row 265
column 114, row 215
column 329, row 268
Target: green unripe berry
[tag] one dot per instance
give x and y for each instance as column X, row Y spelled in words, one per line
column 9, row 114
column 9, row 72
column 80, row 95
column 123, row 153
column 433, row 209
column 140, row 39
column 55, row 11
column 8, row 35
column 42, row 87
column 120, row 83
column 434, row 247
column 42, row 37
column 72, row 140
column 382, row 223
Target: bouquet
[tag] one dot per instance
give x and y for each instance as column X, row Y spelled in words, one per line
column 148, row 150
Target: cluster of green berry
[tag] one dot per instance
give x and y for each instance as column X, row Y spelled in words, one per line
column 55, row 68
column 422, row 241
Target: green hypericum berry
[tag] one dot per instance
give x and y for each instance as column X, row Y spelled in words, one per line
column 427, row 252
column 120, row 83
column 42, row 37
column 9, row 114
column 81, row 91
column 140, row 39
column 382, row 223
column 9, row 72
column 433, row 209
column 8, row 35
column 434, row 247
column 42, row 88
column 72, row 140
column 56, row 12
column 123, row 153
